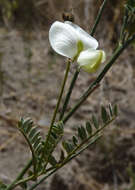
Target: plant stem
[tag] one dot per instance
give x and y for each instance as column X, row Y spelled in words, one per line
column 59, row 98
column 77, row 71
column 56, row 110
column 95, row 84
column 60, row 166
column 74, row 153
column 98, row 17
column 11, row 186
column 125, row 18
column 69, row 93
column 70, row 89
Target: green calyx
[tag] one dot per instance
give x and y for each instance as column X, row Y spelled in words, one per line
column 79, row 49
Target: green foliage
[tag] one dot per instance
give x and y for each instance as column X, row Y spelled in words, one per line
column 95, row 122
column 8, row 7
column 105, row 116
column 24, row 186
column 115, row 110
column 132, row 178
column 31, row 135
column 33, row 139
column 2, row 186
column 88, row 128
column 82, row 133
column 41, row 151
column 51, row 142
column 89, row 132
column 129, row 22
column 131, row 3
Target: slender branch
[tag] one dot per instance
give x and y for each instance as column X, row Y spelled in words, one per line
column 59, row 98
column 74, row 153
column 92, row 33
column 92, row 135
column 95, row 84
column 80, row 101
column 125, row 18
column 91, row 88
column 56, row 110
column 69, row 93
column 60, row 166
column 98, row 17
column 11, row 186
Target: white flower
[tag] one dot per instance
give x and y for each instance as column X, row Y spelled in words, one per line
column 71, row 41
column 90, row 60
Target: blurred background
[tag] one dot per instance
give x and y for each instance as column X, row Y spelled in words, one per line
column 30, row 76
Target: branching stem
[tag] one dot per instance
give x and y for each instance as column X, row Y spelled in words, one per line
column 95, row 84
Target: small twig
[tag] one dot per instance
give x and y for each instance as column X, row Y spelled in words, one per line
column 65, row 104
column 98, row 17
column 56, row 110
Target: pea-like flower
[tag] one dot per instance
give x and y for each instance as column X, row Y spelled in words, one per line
column 69, row 40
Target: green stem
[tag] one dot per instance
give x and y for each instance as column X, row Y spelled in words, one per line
column 95, row 84
column 60, row 166
column 59, row 98
column 56, row 110
column 74, row 153
column 91, row 136
column 98, row 17
column 125, row 18
column 77, row 71
column 11, row 186
column 69, row 93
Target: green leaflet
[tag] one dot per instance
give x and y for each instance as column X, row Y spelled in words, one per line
column 85, row 134
column 95, row 122
column 82, row 133
column 33, row 138
column 54, row 138
column 104, row 115
column 88, row 128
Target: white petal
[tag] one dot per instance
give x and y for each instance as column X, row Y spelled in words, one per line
column 88, row 41
column 90, row 60
column 63, row 39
